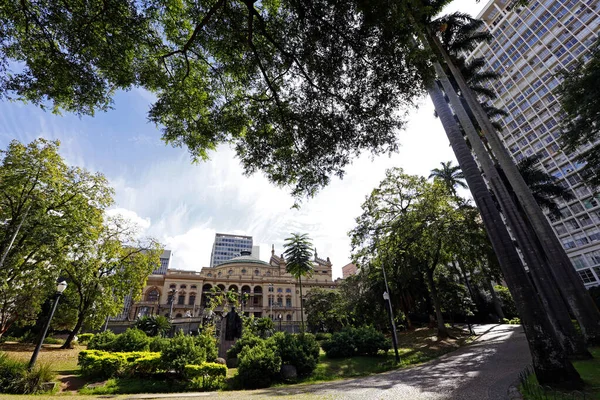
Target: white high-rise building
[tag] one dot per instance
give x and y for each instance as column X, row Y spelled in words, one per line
column 228, row 246
column 530, row 45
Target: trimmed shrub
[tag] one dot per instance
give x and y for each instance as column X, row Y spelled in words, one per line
column 181, row 351
column 247, row 340
column 158, row 344
column 209, row 343
column 84, row 338
column 206, row 376
column 301, row 351
column 102, row 341
column 146, row 365
column 104, row 364
column 258, row 365
column 352, row 341
column 130, row 340
column 15, row 378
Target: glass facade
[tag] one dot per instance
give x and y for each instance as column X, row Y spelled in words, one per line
column 530, row 45
column 227, row 247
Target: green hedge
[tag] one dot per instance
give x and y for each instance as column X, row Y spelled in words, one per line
column 104, row 364
column 206, row 376
column 258, row 366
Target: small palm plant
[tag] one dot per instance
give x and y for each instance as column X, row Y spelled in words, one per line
column 298, row 256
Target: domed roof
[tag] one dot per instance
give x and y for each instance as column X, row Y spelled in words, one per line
column 245, row 258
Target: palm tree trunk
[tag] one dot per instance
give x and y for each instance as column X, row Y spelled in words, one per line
column 571, row 286
column 495, row 300
column 549, row 361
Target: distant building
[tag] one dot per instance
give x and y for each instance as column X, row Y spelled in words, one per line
column 530, row 44
column 271, row 290
column 348, row 270
column 165, row 262
column 228, row 246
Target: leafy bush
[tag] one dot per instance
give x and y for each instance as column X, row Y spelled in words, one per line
column 104, row 364
column 513, row 321
column 301, row 351
column 352, row 341
column 15, row 378
column 154, row 325
column 508, row 304
column 130, row 340
column 181, row 351
column 206, row 376
column 102, row 341
column 158, row 344
column 209, row 343
column 83, row 338
column 258, row 365
column 247, row 340
column 323, row 336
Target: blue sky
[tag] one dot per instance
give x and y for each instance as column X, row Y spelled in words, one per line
column 183, row 204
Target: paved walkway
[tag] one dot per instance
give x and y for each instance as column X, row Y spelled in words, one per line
column 481, row 371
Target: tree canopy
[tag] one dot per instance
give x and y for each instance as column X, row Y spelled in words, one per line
column 579, row 99
column 299, row 89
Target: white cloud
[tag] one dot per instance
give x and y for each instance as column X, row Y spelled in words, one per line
column 141, row 223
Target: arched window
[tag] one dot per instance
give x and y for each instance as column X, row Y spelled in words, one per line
column 288, row 290
column 221, row 287
column 288, row 301
column 279, row 290
column 288, row 317
column 246, row 289
column 268, row 273
column 183, row 286
column 233, row 288
column 172, row 286
column 152, row 295
column 193, row 287
column 230, row 272
column 219, row 274
column 209, row 275
column 258, row 289
column 192, row 299
column 270, row 288
column 256, row 272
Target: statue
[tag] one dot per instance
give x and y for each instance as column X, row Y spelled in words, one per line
column 233, row 325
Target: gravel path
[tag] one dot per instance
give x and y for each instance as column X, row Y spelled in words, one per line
column 481, row 371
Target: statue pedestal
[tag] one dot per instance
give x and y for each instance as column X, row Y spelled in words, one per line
column 224, row 344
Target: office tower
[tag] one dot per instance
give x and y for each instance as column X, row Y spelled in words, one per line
column 530, row 45
column 165, row 261
column 228, row 246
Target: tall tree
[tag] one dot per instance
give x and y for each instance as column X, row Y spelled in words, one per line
column 451, row 175
column 42, row 201
column 579, row 99
column 298, row 262
column 105, row 267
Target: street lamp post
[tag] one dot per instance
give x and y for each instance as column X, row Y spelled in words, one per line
column 386, row 297
column 59, row 289
column 279, row 317
column 271, row 298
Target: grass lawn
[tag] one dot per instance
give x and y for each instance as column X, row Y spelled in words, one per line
column 589, row 370
column 62, row 362
column 414, row 347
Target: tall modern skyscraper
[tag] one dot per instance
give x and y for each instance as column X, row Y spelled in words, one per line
column 165, row 261
column 228, row 246
column 530, row 44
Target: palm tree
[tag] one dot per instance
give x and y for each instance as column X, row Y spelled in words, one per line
column 544, row 186
column 451, row 175
column 548, row 362
column 298, row 262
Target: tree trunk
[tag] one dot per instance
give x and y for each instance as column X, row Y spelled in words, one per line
column 442, row 331
column 495, row 300
column 571, row 286
column 78, row 325
column 549, row 361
